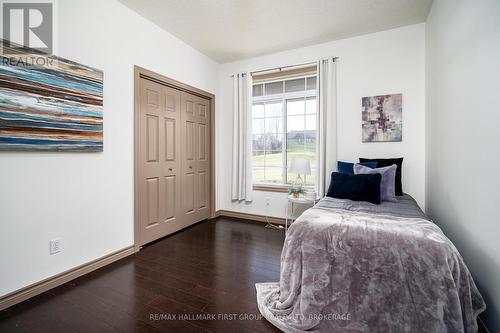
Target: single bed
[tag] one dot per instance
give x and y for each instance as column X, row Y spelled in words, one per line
column 351, row 266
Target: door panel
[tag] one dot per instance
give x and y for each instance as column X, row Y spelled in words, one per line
column 196, row 162
column 203, row 162
column 170, row 197
column 171, row 102
column 202, row 151
column 153, row 97
column 202, row 111
column 190, row 140
column 170, row 139
column 202, row 198
column 153, row 205
column 189, row 191
column 190, row 105
column 188, row 157
column 158, row 164
column 152, row 138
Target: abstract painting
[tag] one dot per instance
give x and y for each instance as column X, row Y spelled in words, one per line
column 382, row 118
column 48, row 103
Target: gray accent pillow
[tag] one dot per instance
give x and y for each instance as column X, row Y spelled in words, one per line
column 387, row 183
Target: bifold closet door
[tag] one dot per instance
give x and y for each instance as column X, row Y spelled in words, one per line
column 195, row 118
column 159, row 161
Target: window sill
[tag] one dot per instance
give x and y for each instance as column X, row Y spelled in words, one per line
column 271, row 188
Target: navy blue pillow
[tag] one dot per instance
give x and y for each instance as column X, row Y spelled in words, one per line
column 362, row 187
column 346, row 167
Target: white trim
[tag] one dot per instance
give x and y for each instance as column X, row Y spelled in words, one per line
column 283, row 98
column 290, row 95
column 288, row 78
column 279, row 185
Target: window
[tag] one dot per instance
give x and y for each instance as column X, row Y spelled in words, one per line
column 284, row 126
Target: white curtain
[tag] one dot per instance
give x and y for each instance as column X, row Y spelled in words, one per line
column 242, row 133
column 327, row 123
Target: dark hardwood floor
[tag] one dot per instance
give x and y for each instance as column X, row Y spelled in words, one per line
column 207, row 270
column 202, row 274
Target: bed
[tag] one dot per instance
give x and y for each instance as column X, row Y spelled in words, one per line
column 351, row 266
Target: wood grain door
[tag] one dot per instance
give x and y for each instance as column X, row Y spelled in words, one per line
column 159, row 161
column 195, row 119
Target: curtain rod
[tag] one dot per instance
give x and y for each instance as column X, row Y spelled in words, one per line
column 284, row 67
column 279, row 69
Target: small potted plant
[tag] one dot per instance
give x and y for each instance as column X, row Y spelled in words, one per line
column 295, row 191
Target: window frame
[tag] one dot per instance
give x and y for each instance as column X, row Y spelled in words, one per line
column 284, row 98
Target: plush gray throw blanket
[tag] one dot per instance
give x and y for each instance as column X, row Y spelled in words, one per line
column 357, row 267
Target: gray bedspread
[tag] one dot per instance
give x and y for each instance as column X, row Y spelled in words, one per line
column 357, row 267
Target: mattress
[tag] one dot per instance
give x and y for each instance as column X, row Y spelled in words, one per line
column 406, row 206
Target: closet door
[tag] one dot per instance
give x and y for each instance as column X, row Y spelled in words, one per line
column 196, row 158
column 203, row 129
column 172, row 143
column 158, row 161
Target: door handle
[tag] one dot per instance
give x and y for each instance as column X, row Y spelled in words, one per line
column 190, row 167
column 169, row 169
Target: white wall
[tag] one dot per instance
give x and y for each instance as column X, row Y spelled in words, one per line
column 87, row 198
column 386, row 62
column 463, row 148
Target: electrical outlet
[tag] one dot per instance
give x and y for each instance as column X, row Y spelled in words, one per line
column 55, row 246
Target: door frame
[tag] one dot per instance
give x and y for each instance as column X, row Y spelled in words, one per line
column 140, row 72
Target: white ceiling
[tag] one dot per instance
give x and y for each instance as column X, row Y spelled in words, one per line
column 228, row 30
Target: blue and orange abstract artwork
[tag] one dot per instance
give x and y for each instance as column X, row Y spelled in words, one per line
column 48, row 103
